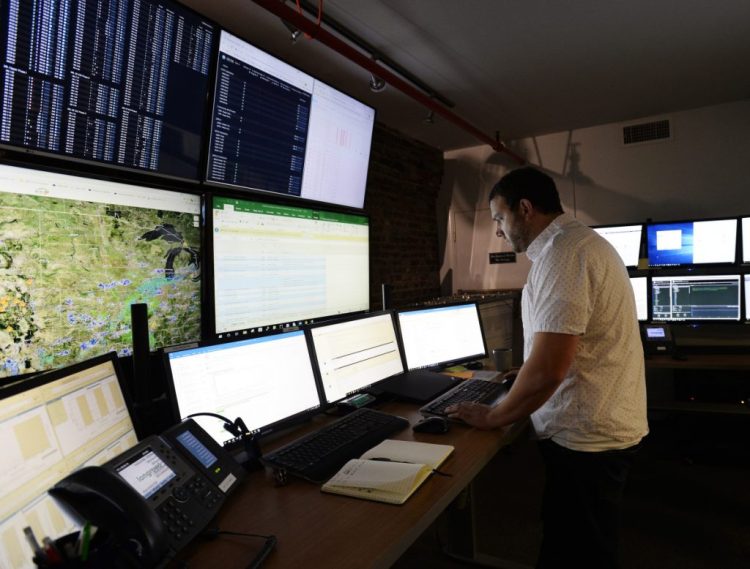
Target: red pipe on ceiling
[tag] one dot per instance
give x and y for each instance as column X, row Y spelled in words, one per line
column 280, row 9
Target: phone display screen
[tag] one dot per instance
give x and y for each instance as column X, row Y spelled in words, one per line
column 146, row 473
column 196, row 448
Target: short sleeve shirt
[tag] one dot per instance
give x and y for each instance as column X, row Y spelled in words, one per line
column 579, row 285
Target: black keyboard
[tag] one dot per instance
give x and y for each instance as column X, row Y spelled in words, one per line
column 319, row 455
column 474, row 390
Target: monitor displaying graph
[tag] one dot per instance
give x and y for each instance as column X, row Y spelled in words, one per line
column 49, row 427
column 75, row 254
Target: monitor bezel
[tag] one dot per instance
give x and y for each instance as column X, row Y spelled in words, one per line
column 450, row 362
column 659, row 267
column 266, row 194
column 350, row 318
column 264, row 430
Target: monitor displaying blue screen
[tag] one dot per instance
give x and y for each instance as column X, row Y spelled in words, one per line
column 692, row 243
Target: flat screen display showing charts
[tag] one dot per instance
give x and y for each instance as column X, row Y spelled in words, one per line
column 276, row 129
column 354, row 354
column 51, row 425
column 277, row 266
column 77, row 252
column 122, row 83
column 692, row 243
column 626, row 239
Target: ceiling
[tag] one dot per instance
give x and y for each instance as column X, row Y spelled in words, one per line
column 524, row 68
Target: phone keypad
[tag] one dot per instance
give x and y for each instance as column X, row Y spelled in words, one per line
column 177, row 523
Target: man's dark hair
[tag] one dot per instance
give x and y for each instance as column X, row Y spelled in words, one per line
column 531, row 184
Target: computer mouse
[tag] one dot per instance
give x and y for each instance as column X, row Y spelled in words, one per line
column 432, row 425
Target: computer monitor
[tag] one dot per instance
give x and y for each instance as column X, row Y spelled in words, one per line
column 77, row 252
column 439, row 336
column 354, row 354
column 692, row 242
column 104, row 82
column 266, row 381
column 626, row 239
column 277, row 265
column 640, row 291
column 709, row 297
column 276, row 129
column 746, row 240
column 50, row 425
column 747, row 298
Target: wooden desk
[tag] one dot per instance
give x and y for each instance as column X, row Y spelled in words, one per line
column 317, row 530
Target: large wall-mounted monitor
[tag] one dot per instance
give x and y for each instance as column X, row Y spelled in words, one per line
column 640, row 292
column 124, row 83
column 277, row 266
column 354, row 354
column 51, row 425
column 76, row 252
column 437, row 336
column 746, row 240
column 264, row 381
column 708, row 297
column 626, row 239
column 709, row 242
column 276, row 129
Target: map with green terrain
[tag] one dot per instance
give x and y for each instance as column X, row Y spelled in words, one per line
column 69, row 271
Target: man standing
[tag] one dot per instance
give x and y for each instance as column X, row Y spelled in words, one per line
column 582, row 381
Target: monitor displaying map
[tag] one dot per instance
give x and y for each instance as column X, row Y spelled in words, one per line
column 76, row 252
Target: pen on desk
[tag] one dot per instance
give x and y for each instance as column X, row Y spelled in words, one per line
column 54, row 557
column 31, row 538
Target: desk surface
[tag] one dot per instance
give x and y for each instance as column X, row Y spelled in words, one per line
column 317, row 530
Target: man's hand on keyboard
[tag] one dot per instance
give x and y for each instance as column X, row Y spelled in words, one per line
column 474, row 414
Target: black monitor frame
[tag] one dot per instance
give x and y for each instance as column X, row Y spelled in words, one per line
column 707, row 273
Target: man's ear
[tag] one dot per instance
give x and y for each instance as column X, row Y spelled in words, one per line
column 525, row 208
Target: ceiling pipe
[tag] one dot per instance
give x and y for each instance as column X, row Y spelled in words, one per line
column 280, row 9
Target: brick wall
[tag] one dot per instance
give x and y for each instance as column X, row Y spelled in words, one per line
column 404, row 179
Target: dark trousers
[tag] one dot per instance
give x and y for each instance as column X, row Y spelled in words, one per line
column 581, row 506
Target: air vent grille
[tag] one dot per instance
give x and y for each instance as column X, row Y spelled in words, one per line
column 646, row 132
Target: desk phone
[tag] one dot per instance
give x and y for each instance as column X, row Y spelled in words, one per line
column 156, row 497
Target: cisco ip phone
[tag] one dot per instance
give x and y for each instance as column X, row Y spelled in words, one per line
column 156, row 497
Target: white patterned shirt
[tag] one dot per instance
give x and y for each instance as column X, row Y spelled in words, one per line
column 578, row 285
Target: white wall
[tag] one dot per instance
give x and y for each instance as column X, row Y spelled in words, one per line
column 701, row 172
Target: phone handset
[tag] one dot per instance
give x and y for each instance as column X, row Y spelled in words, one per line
column 109, row 502
column 156, row 497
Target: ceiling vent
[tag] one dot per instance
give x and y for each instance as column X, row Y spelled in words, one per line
column 646, row 132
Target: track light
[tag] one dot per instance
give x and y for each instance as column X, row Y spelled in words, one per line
column 294, row 31
column 430, row 118
column 377, row 84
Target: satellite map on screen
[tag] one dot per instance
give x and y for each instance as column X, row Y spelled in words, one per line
column 70, row 269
